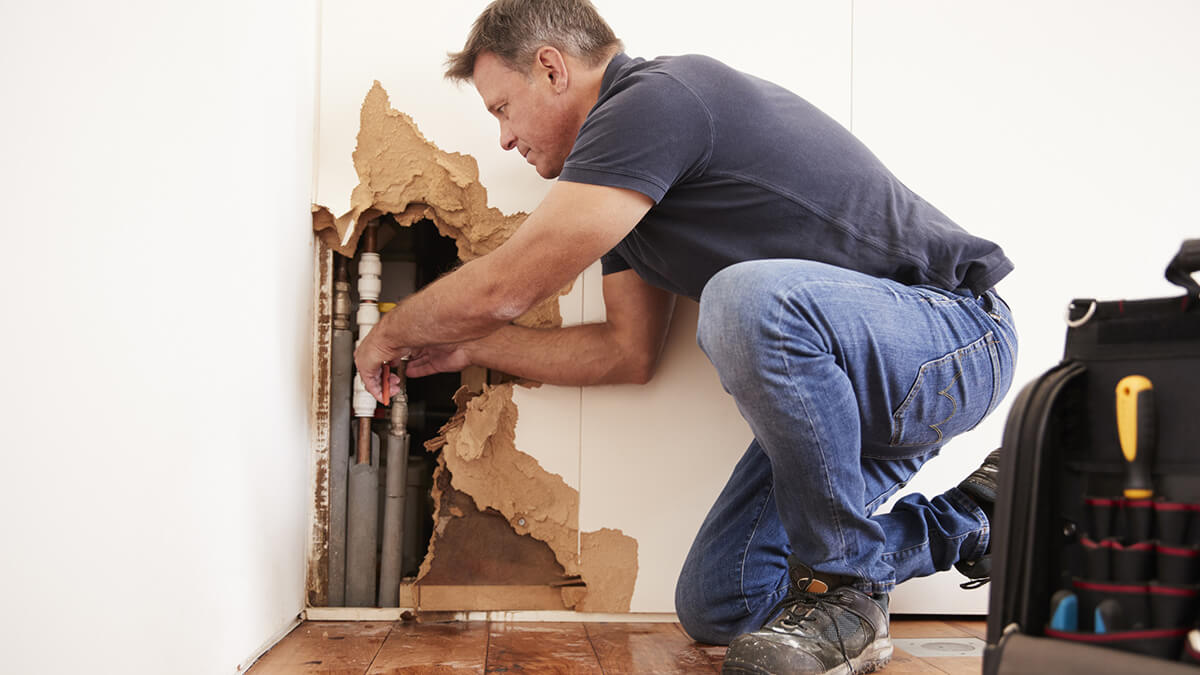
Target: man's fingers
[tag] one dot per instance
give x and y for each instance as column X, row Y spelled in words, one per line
column 420, row 368
column 373, row 386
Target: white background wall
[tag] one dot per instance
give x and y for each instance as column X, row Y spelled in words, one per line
column 1063, row 129
column 155, row 377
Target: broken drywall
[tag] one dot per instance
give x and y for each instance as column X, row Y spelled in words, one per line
column 403, row 174
column 479, row 450
column 463, row 531
column 608, row 565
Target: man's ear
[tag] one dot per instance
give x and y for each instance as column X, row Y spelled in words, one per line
column 552, row 66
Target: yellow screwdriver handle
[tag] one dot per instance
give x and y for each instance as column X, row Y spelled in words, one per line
column 1136, row 430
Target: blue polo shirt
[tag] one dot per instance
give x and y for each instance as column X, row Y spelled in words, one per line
column 741, row 169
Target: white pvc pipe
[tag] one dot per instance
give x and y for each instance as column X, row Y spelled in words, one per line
column 370, row 270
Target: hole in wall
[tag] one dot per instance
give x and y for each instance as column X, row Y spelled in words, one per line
column 410, row 258
column 414, row 257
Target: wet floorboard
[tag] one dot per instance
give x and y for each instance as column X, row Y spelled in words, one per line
column 382, row 648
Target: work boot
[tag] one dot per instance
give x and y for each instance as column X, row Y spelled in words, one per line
column 823, row 627
column 981, row 486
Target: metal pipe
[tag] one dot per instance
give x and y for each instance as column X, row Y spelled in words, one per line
column 393, row 513
column 340, row 391
column 361, row 531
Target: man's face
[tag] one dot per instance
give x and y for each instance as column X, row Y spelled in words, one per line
column 533, row 110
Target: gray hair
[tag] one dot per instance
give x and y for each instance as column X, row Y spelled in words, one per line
column 515, row 29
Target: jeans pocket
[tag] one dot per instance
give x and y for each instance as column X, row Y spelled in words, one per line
column 951, row 395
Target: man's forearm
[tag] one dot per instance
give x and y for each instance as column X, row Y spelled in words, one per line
column 455, row 308
column 577, row 355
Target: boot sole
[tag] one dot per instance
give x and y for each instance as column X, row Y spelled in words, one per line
column 877, row 655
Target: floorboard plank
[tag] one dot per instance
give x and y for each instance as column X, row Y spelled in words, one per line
column 927, row 629
column 635, row 648
column 903, row 662
column 434, row 649
column 383, row 648
column 715, row 653
column 957, row 665
column 541, row 648
column 327, row 647
column 974, row 628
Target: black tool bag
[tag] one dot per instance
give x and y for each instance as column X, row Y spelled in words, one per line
column 1096, row 554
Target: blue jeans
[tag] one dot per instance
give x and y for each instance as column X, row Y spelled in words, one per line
column 849, row 383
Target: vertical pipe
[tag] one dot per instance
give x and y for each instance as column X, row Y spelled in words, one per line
column 393, row 514
column 363, row 503
column 340, row 392
column 362, row 522
column 412, row 540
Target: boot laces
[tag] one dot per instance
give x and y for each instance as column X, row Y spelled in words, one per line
column 800, row 607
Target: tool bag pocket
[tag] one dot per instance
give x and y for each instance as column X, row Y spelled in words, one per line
column 1163, row 643
column 1173, row 523
column 1177, row 565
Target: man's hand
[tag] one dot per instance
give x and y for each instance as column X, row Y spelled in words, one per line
column 437, row 359
column 369, row 359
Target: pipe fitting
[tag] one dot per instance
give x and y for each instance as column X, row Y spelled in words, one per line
column 370, row 272
column 341, row 305
column 367, row 317
column 364, row 402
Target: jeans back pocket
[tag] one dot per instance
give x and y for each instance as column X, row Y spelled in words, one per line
column 951, row 394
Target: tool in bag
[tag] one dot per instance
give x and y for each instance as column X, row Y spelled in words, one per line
column 1096, row 541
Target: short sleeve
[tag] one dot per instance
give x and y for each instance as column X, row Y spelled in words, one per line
column 613, row 262
column 649, row 132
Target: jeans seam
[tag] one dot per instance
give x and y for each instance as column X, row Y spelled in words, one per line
column 762, row 508
column 967, row 504
column 907, row 552
column 1000, row 338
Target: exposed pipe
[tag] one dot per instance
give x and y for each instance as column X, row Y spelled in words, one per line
column 397, row 477
column 416, row 514
column 340, row 391
column 363, row 504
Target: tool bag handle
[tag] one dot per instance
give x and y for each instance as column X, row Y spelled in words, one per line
column 1181, row 267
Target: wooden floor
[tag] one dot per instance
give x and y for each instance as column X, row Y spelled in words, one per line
column 376, row 648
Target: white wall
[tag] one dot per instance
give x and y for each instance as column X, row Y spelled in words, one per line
column 156, row 370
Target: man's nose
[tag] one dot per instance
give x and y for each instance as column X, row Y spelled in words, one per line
column 508, row 140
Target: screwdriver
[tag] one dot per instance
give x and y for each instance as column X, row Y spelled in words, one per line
column 1137, row 429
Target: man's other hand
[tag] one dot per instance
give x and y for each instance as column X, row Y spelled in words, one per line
column 437, row 359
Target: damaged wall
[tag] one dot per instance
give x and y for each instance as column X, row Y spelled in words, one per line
column 402, row 174
column 480, row 451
